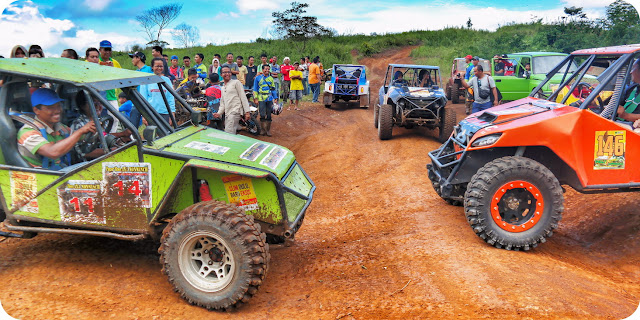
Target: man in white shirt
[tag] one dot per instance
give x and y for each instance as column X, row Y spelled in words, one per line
column 233, row 102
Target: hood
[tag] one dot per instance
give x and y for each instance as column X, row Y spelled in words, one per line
column 512, row 114
column 207, row 143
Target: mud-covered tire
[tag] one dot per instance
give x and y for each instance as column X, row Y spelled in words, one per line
column 385, row 122
column 455, row 94
column 447, row 92
column 447, row 122
column 221, row 240
column 376, row 114
column 524, row 178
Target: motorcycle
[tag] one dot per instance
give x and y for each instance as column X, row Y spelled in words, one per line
column 251, row 125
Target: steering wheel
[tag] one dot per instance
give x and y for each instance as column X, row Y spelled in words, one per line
column 105, row 122
column 583, row 90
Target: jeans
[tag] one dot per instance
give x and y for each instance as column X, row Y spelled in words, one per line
column 315, row 87
column 286, row 85
column 481, row 106
column 305, row 85
column 265, row 108
column 276, row 83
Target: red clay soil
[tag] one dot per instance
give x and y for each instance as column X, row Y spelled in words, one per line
column 377, row 243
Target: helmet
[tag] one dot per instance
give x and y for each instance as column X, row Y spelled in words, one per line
column 277, row 108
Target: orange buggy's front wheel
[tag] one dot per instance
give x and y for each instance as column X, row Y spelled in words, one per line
column 514, row 203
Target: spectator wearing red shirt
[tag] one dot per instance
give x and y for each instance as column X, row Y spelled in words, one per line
column 286, row 83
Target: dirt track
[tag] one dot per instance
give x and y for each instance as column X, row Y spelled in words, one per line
column 377, row 243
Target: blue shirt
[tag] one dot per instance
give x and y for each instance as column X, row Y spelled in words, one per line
column 125, row 108
column 151, row 92
column 146, row 69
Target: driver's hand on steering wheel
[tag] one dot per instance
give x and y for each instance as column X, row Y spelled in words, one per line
column 89, row 127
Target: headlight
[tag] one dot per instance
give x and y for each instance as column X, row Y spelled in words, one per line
column 486, row 140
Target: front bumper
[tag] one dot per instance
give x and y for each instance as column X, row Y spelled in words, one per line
column 446, row 162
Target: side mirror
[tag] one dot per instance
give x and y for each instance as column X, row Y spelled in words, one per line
column 196, row 118
column 149, row 134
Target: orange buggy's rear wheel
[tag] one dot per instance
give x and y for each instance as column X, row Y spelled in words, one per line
column 514, row 203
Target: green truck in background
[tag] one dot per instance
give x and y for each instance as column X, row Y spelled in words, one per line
column 514, row 80
column 213, row 200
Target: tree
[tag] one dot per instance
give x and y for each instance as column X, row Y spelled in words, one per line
column 291, row 24
column 575, row 12
column 186, row 35
column 622, row 23
column 469, row 24
column 156, row 19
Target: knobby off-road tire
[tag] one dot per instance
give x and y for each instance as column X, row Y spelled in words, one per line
column 447, row 122
column 489, row 203
column 448, row 92
column 385, row 125
column 367, row 99
column 376, row 115
column 214, row 255
column 455, row 93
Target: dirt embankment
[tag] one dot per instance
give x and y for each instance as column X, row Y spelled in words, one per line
column 377, row 243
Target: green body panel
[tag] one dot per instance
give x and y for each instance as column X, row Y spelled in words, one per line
column 267, row 206
column 180, row 197
column 208, row 143
column 515, row 87
column 163, row 174
column 78, row 72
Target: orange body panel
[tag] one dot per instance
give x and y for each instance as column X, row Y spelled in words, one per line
column 571, row 134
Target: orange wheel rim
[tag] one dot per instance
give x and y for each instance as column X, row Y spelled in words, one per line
column 517, row 206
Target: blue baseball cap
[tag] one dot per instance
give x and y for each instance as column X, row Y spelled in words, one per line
column 174, row 57
column 45, row 97
column 105, row 44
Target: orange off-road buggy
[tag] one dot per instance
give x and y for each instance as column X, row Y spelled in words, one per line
column 507, row 164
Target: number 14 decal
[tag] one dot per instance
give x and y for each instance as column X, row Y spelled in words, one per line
column 134, row 189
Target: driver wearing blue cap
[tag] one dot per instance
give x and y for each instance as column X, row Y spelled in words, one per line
column 45, row 142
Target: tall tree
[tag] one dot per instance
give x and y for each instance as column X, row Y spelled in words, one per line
column 622, row 23
column 292, row 24
column 153, row 21
column 186, row 35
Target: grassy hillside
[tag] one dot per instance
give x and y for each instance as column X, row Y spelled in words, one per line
column 435, row 47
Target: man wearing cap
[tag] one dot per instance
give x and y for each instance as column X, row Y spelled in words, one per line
column 285, row 68
column 138, row 59
column 106, row 60
column 47, row 143
column 232, row 66
column 469, row 71
column 175, row 70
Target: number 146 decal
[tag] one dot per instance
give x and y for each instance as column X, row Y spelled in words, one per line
column 609, row 149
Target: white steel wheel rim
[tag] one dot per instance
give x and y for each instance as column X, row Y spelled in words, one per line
column 206, row 261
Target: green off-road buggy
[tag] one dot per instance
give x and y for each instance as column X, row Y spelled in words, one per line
column 213, row 200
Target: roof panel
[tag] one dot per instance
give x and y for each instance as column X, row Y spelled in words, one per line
column 629, row 48
column 74, row 71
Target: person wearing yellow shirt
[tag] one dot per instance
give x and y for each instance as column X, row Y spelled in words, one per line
column 296, row 87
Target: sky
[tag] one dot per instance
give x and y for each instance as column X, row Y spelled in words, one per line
column 79, row 24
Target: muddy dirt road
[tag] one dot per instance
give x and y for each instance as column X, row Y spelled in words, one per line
column 377, row 243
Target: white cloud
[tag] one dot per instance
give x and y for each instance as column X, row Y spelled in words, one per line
column 26, row 25
column 97, row 5
column 381, row 18
column 246, row 6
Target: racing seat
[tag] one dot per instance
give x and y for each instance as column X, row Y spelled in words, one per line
column 18, row 99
